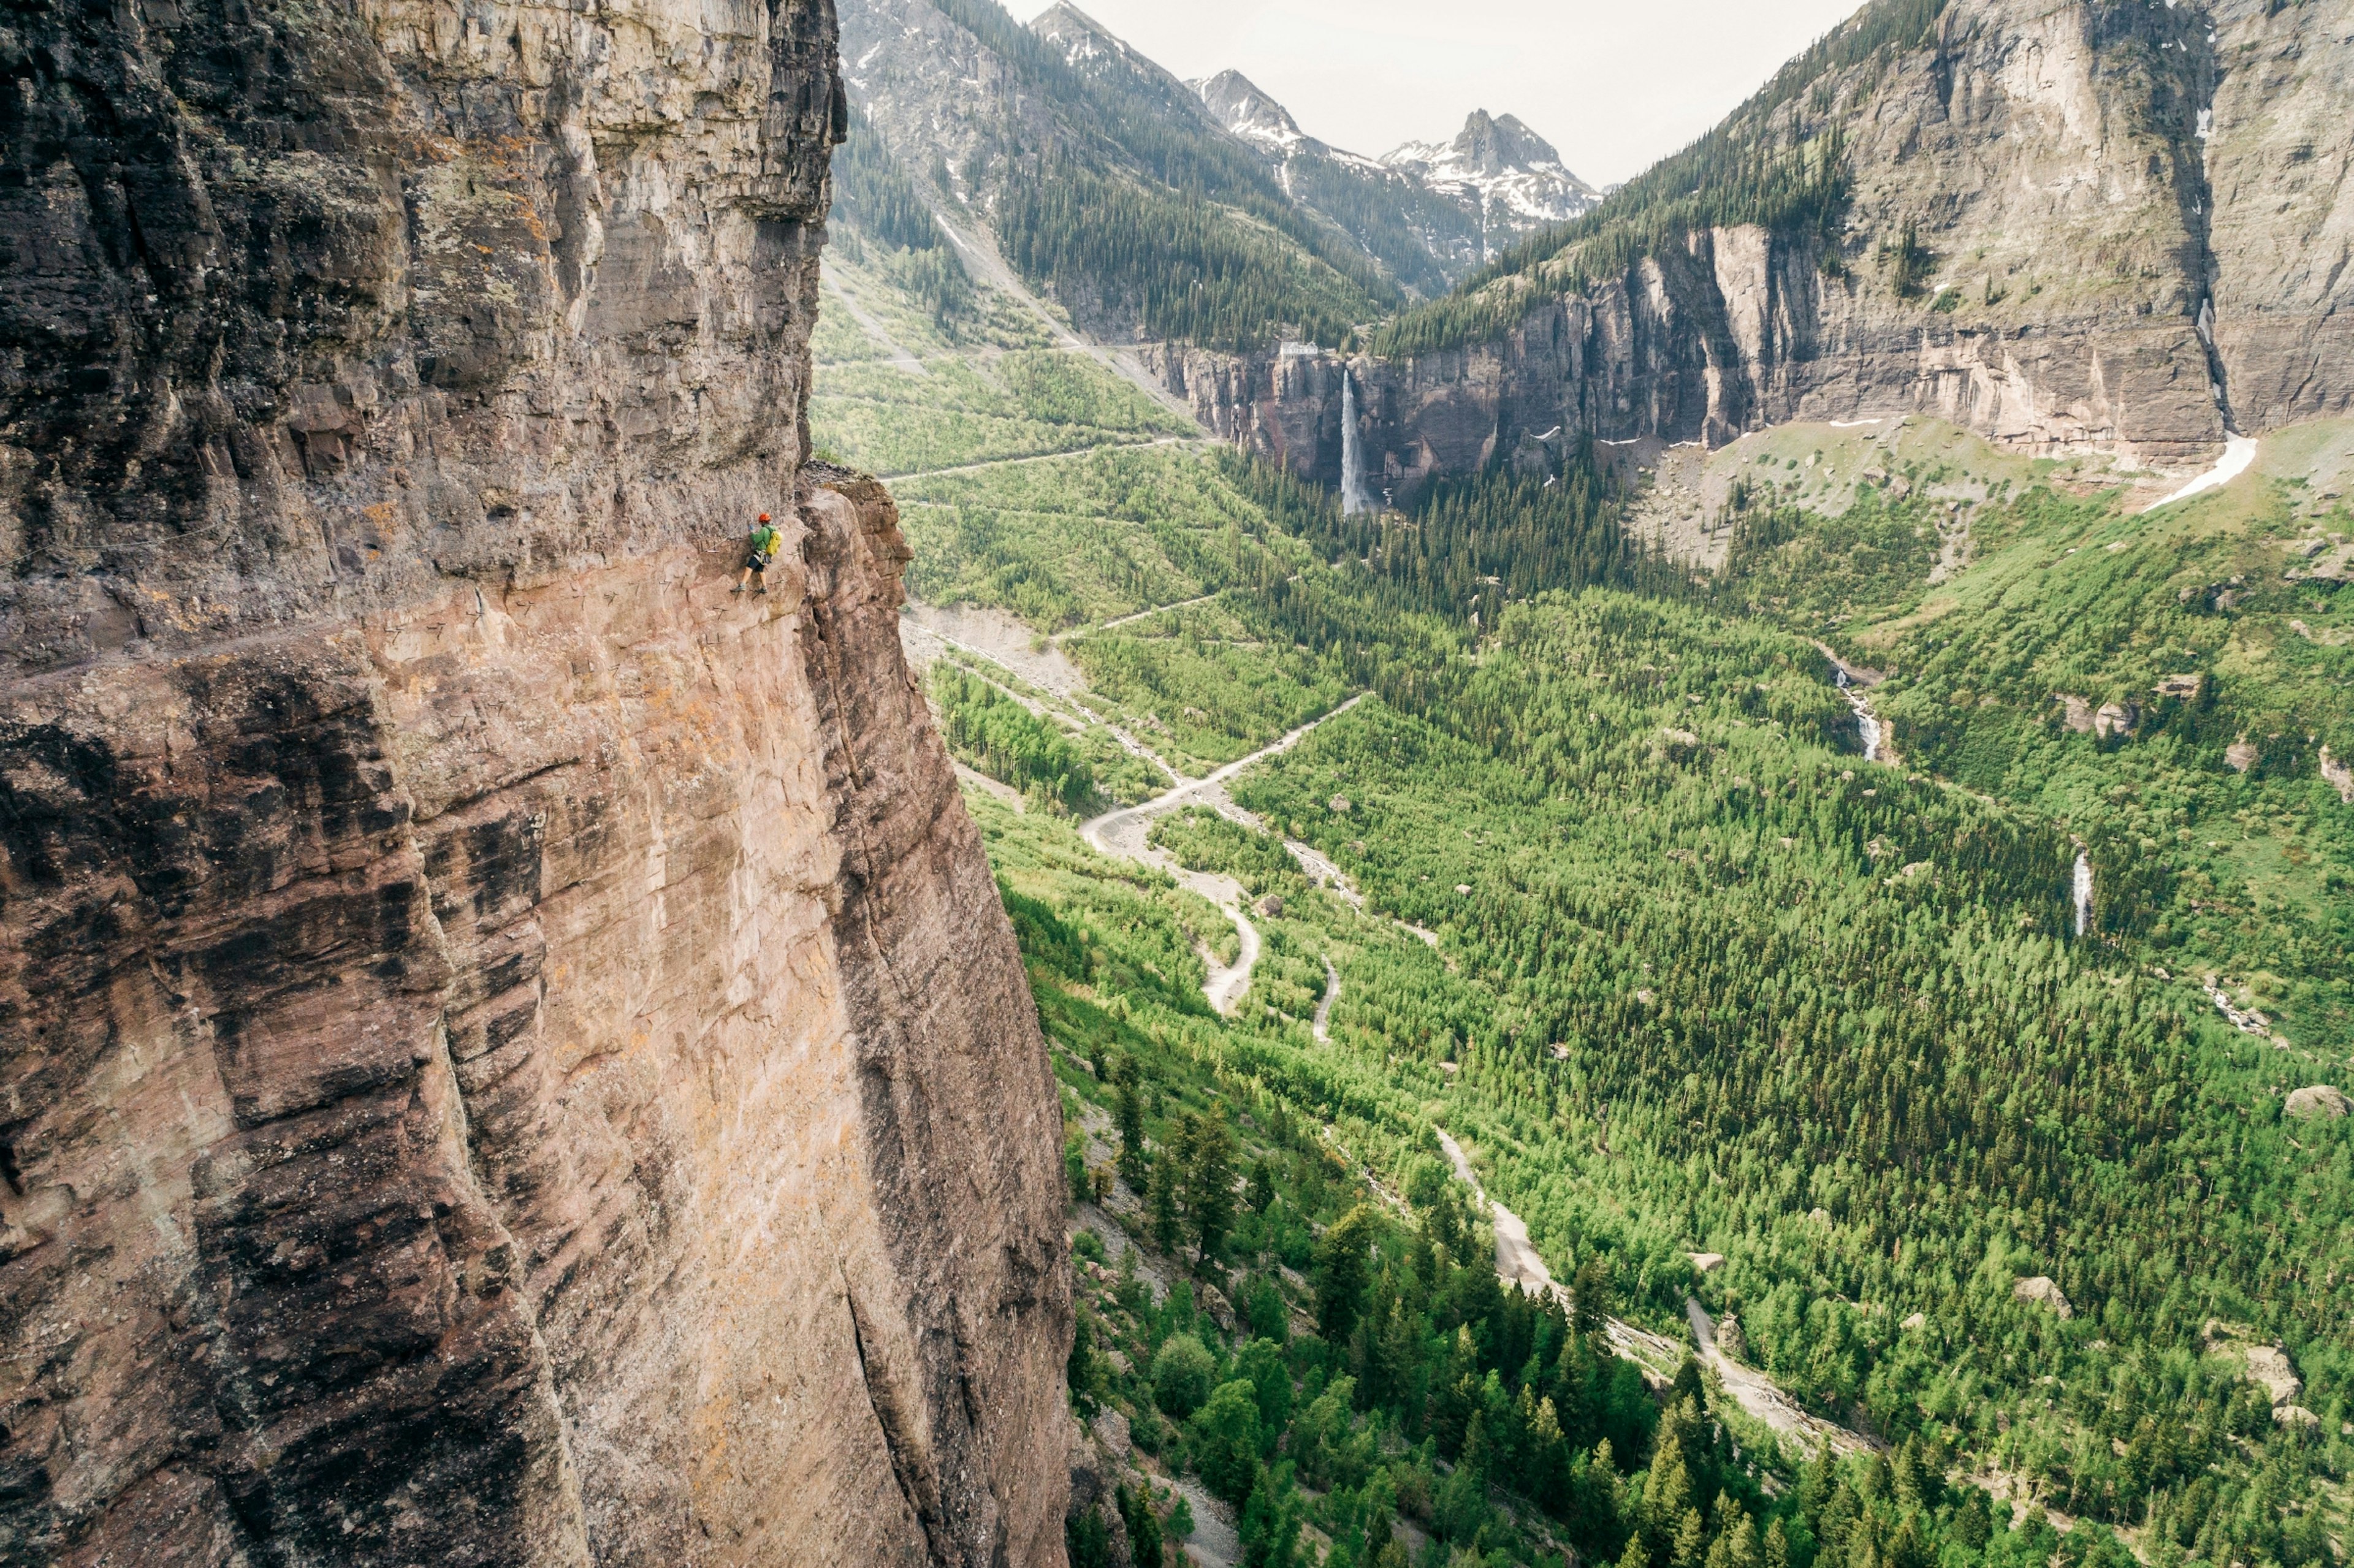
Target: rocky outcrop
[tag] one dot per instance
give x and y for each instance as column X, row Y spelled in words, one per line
column 2315, row 1101
column 2280, row 177
column 512, row 1052
column 2133, row 226
column 2337, row 776
column 2268, row 1365
column 1283, row 405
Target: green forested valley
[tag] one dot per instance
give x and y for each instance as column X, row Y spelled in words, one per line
column 1796, row 1065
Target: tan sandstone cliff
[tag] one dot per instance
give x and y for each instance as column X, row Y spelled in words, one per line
column 509, row 1052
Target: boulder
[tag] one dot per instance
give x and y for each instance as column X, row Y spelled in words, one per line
column 2043, row 1292
column 1733, row 1340
column 2241, row 755
column 2116, row 719
column 1271, row 906
column 1707, row 1262
column 2316, row 1100
column 1112, row 1435
column 1819, row 1217
column 2337, row 776
column 2183, row 688
column 1917, row 1320
column 1340, row 804
column 2270, row 1366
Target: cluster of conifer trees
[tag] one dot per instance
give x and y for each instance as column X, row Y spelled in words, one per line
column 1467, row 546
column 874, row 194
column 1183, row 268
column 1010, row 743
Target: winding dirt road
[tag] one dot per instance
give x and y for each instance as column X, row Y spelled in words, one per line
column 1126, row 834
column 1322, row 1027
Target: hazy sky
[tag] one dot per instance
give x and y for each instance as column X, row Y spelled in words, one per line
column 1613, row 85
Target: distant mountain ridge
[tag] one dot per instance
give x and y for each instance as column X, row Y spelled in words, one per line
column 2071, row 227
column 1156, row 209
column 1103, row 179
column 1247, row 111
column 1504, row 180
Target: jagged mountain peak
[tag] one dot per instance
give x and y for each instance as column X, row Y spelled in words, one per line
column 1080, row 36
column 1494, row 146
column 1096, row 52
column 1246, row 111
column 1513, row 170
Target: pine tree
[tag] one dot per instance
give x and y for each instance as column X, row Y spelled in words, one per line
column 1590, row 1293
column 1343, row 1271
column 1144, row 1525
column 1735, row 1543
column 1161, row 1202
column 1690, row 1548
column 1130, row 1121
column 1210, row 1186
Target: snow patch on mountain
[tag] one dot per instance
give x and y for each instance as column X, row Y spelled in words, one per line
column 1083, row 39
column 1510, row 170
column 1249, row 113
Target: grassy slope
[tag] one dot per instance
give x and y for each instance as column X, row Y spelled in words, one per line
column 2240, row 874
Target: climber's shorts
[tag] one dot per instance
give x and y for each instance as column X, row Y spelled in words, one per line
column 757, row 562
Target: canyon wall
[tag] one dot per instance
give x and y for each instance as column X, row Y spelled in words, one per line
column 509, row 1052
column 2137, row 222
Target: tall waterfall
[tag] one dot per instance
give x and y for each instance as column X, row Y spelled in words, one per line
column 1356, row 494
column 2083, row 892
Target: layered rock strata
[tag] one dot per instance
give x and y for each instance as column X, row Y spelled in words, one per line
column 2134, row 225
column 509, row 1052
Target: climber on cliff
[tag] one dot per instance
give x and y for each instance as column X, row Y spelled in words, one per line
column 764, row 543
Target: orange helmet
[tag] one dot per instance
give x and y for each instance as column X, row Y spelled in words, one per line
column 764, row 517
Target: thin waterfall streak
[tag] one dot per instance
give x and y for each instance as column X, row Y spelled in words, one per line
column 1356, row 496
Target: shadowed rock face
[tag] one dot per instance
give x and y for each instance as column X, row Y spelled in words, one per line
column 509, row 1053
column 2130, row 211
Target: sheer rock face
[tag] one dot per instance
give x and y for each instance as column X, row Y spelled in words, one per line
column 509, row 1053
column 2129, row 210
